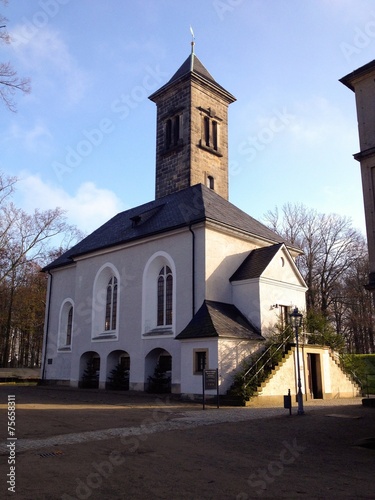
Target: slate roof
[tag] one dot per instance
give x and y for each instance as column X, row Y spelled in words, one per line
column 218, row 319
column 188, row 206
column 255, row 263
column 179, row 209
column 192, row 66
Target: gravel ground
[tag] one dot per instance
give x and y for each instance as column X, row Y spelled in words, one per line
column 93, row 444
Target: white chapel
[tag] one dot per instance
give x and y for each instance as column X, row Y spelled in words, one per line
column 182, row 283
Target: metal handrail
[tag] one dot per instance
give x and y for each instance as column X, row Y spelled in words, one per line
column 350, row 372
column 265, row 363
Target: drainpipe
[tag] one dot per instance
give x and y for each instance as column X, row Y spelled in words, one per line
column 47, row 325
column 193, row 270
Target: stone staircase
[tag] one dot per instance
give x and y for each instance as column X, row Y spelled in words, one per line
column 267, row 370
column 268, row 379
column 350, row 377
column 253, row 400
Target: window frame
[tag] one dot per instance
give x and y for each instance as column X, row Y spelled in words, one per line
column 198, row 354
column 110, row 318
column 66, row 325
column 284, row 312
column 151, row 272
column 69, row 327
column 164, row 304
column 106, row 304
column 173, row 131
column 210, row 131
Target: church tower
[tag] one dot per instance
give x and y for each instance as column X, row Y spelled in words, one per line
column 192, row 131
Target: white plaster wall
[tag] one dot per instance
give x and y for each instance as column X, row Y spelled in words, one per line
column 282, row 268
column 200, row 263
column 63, row 286
column 192, row 383
column 280, row 284
column 259, row 299
column 77, row 282
column 232, row 353
column 224, row 254
column 274, row 292
column 246, row 297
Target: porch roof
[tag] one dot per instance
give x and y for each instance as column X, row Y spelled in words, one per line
column 219, row 319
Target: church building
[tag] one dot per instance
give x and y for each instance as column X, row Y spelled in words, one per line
column 182, row 283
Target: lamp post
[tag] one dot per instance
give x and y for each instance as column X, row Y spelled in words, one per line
column 296, row 320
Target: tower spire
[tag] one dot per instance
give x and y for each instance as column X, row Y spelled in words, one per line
column 192, row 130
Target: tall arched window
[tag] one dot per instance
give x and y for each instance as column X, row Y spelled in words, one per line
column 65, row 335
column 111, row 305
column 165, row 294
column 69, row 327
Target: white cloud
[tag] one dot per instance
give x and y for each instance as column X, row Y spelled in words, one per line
column 36, row 139
column 88, row 208
column 45, row 52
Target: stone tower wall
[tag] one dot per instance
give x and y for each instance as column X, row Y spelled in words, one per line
column 208, row 162
column 173, row 165
column 190, row 161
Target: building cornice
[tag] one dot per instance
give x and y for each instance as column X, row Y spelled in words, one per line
column 363, row 155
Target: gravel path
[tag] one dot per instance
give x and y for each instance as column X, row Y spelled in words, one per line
column 181, row 421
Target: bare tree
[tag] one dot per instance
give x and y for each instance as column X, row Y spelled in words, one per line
column 354, row 309
column 10, row 82
column 22, row 235
column 330, row 245
column 6, row 186
column 335, row 268
column 25, row 242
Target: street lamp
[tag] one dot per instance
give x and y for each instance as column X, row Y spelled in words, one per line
column 296, row 320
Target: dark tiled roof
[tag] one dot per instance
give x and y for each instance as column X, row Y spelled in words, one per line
column 182, row 208
column 192, row 66
column 255, row 263
column 217, row 319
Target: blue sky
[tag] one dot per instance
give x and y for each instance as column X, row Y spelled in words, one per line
column 84, row 138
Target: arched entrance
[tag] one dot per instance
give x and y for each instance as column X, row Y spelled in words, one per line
column 158, row 371
column 118, row 370
column 89, row 369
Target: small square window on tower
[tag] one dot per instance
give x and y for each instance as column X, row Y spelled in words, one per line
column 210, row 182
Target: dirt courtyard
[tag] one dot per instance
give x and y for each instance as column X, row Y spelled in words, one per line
column 80, row 444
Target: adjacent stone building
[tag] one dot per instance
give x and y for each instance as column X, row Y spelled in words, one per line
column 361, row 82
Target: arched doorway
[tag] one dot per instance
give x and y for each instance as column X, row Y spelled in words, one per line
column 89, row 369
column 158, row 371
column 118, row 370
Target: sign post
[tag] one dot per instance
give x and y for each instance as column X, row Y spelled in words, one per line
column 210, row 382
